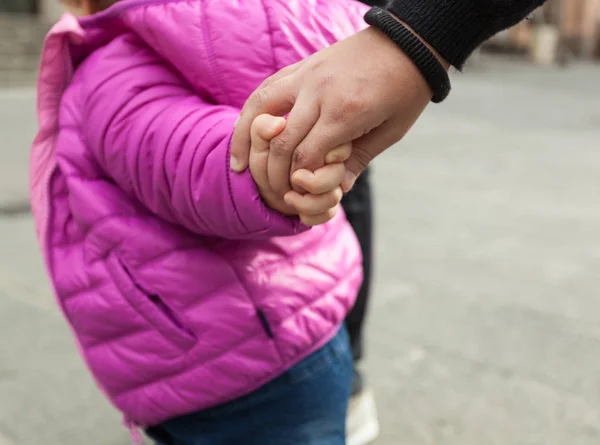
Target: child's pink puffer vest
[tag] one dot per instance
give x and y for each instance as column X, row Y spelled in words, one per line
column 183, row 290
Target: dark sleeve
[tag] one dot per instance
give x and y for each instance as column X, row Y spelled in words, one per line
column 456, row 27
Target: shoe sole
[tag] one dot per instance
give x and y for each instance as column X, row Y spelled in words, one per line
column 368, row 431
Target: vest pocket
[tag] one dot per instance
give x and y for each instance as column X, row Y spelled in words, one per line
column 157, row 313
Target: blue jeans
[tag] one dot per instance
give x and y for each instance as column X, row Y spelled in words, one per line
column 305, row 406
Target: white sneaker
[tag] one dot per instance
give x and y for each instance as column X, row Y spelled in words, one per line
column 362, row 426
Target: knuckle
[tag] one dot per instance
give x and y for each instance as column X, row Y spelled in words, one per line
column 346, row 109
column 325, row 82
column 269, row 80
column 334, row 198
column 325, row 217
column 300, row 157
column 353, row 104
column 361, row 156
column 324, row 203
column 338, row 115
column 281, row 147
column 259, row 98
column 332, row 212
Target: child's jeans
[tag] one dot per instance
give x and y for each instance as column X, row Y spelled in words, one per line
column 305, row 406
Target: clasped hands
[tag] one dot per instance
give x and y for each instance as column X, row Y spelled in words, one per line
column 345, row 105
column 314, row 196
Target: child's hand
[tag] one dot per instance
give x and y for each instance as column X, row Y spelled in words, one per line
column 321, row 203
column 264, row 128
column 323, row 186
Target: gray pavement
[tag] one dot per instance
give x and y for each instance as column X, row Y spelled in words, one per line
column 485, row 325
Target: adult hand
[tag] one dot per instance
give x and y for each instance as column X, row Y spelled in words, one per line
column 362, row 90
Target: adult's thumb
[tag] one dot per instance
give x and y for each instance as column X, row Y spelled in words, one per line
column 368, row 147
column 275, row 99
column 359, row 160
column 364, row 151
column 350, row 177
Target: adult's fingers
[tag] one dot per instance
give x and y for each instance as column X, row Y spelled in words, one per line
column 276, row 99
column 312, row 151
column 301, row 119
column 279, row 75
column 320, row 181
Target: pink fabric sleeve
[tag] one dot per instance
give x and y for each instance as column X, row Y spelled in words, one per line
column 169, row 148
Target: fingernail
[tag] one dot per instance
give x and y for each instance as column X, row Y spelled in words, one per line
column 235, row 164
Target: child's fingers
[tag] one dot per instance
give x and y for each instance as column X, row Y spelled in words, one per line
column 320, row 181
column 264, row 128
column 336, row 156
column 320, row 219
column 313, row 205
column 257, row 163
column 339, row 154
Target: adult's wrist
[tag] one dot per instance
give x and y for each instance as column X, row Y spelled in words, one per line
column 457, row 27
column 437, row 55
column 422, row 56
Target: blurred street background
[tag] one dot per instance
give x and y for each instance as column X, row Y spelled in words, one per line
column 485, row 325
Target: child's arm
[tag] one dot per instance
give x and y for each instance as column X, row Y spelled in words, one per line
column 169, row 149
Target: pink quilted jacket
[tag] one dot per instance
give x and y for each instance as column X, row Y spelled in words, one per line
column 183, row 290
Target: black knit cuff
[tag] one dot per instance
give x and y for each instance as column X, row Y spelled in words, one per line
column 424, row 59
column 457, row 27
